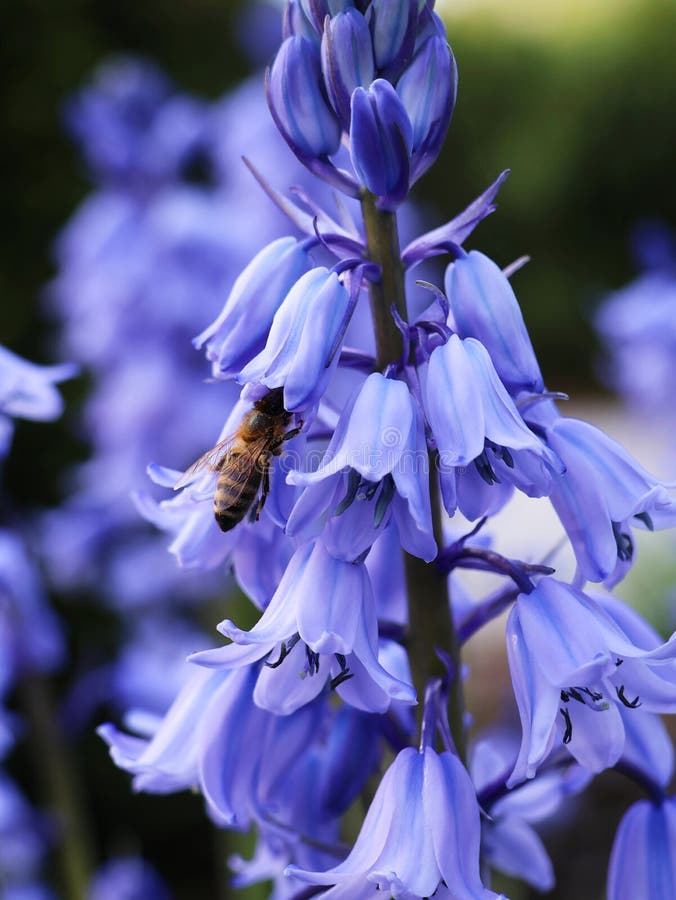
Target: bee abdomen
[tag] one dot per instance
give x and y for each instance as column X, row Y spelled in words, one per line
column 232, row 500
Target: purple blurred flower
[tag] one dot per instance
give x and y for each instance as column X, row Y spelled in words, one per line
column 128, row 878
column 132, row 125
column 27, row 392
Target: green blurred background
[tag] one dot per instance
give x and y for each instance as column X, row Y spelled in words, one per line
column 577, row 99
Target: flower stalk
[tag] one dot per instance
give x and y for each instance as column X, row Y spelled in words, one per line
column 430, row 616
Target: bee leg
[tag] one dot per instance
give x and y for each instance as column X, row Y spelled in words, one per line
column 265, row 487
column 275, row 446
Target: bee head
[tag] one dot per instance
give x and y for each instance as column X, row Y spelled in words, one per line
column 272, row 404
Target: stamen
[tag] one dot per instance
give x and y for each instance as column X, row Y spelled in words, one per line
column 353, row 482
column 485, row 469
column 384, row 500
column 625, row 545
column 344, row 674
column 647, row 521
column 568, row 733
column 284, row 650
column 630, row 704
column 312, row 661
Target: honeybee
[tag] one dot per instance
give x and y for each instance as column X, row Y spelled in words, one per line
column 243, row 460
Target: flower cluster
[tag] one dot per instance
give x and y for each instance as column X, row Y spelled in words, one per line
column 352, row 443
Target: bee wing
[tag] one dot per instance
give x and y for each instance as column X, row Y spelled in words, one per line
column 211, row 460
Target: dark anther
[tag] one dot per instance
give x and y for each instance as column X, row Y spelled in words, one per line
column 284, row 650
column 565, row 696
column 353, row 482
column 625, row 545
column 384, row 500
column 568, row 733
column 630, row 704
column 312, row 661
column 618, row 661
column 647, row 521
column 343, row 675
column 502, row 453
column 576, row 695
column 595, row 695
column 485, row 469
column 507, row 458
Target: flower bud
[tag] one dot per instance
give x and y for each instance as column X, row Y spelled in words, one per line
column 347, row 59
column 393, row 27
column 428, row 89
column 302, row 337
column 380, row 142
column 484, row 307
column 317, row 10
column 240, row 330
column 297, row 101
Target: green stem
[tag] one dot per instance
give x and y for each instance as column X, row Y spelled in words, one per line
column 430, row 616
column 59, row 786
column 382, row 242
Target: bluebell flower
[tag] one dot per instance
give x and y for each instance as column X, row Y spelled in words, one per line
column 643, row 858
column 27, row 391
column 381, row 137
column 193, row 747
column 574, row 667
column 509, row 842
column 31, row 632
column 421, row 835
column 132, row 125
column 347, row 59
column 320, row 625
column 602, row 496
column 483, row 306
column 637, row 325
column 475, row 423
column 375, row 467
column 24, row 841
column 128, row 878
column 240, row 330
column 428, row 91
column 301, row 353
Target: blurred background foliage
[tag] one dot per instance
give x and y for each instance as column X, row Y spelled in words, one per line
column 577, row 99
